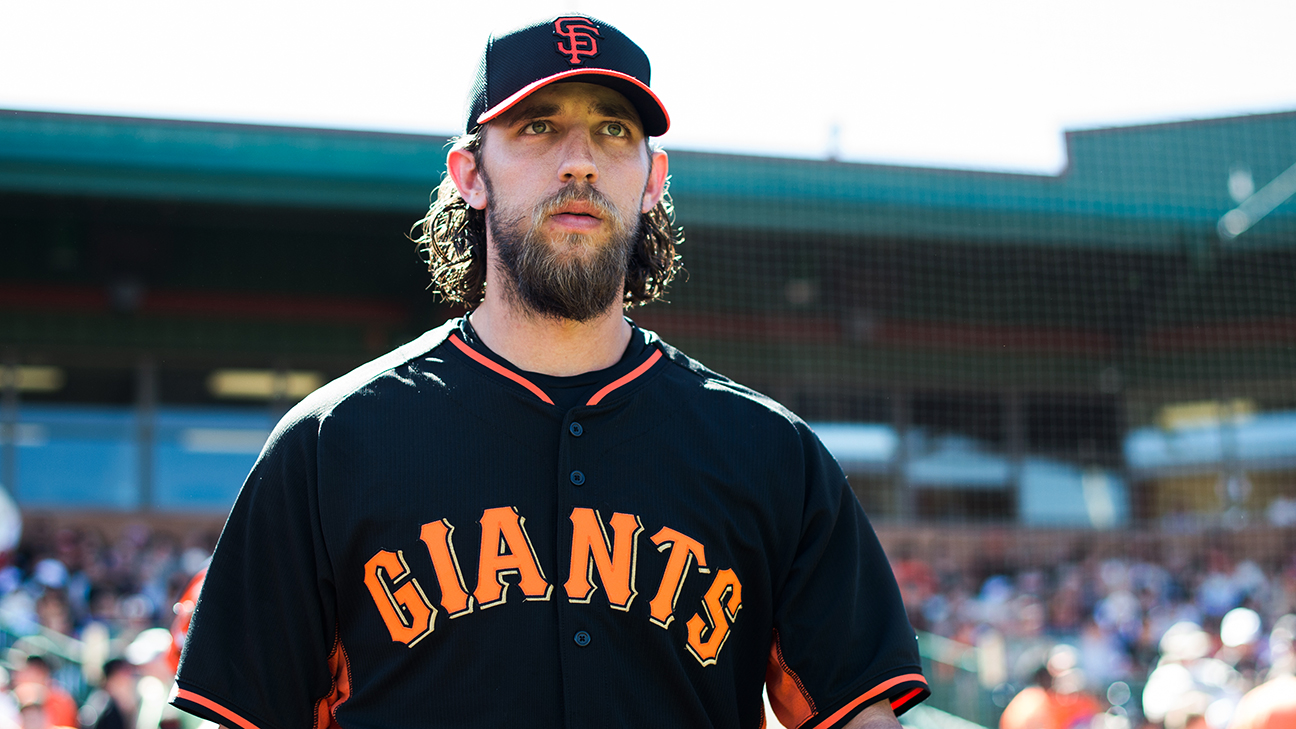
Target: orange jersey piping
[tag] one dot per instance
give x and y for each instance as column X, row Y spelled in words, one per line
column 647, row 365
column 485, row 362
column 874, row 693
column 209, row 704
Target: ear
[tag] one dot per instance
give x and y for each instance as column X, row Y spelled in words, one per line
column 656, row 186
column 467, row 176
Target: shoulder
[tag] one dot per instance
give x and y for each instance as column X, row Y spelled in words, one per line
column 368, row 383
column 718, row 398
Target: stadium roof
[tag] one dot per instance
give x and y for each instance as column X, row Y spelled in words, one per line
column 1148, row 186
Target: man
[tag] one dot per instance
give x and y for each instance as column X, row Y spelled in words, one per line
column 1056, row 701
column 150, row 653
column 540, row 514
column 1272, row 704
column 56, row 704
column 33, row 711
column 114, row 704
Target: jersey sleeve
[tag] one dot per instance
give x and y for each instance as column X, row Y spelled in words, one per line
column 258, row 649
column 841, row 638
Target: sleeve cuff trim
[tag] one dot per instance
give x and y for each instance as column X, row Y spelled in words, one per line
column 909, row 700
column 901, row 703
column 206, row 703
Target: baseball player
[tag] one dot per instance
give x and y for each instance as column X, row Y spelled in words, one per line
column 541, row 514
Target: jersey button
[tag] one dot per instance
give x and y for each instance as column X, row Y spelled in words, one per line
column 576, row 429
column 577, row 478
column 582, row 638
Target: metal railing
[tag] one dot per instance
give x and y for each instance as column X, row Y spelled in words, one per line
column 952, row 672
column 70, row 671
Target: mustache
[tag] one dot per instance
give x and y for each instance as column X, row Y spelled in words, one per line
column 578, row 192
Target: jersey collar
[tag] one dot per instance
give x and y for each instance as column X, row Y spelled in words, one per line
column 618, row 377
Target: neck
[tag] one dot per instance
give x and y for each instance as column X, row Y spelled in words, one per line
column 549, row 346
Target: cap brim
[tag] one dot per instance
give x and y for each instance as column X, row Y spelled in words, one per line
column 652, row 113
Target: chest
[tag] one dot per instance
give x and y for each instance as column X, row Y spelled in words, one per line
column 667, row 528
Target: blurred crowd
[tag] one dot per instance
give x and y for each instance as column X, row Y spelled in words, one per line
column 1174, row 642
column 91, row 627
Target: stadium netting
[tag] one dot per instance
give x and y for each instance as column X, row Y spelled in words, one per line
column 1067, row 403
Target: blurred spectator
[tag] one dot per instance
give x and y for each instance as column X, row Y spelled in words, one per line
column 1189, row 682
column 8, row 706
column 53, row 612
column 1271, row 705
column 33, row 708
column 1240, row 633
column 917, row 583
column 114, row 704
column 1281, row 648
column 1103, row 654
column 151, row 652
column 184, row 609
column 1056, row 701
column 56, row 704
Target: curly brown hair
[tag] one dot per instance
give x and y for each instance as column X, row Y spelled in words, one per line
column 453, row 241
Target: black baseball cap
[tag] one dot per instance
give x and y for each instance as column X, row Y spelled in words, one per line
column 566, row 48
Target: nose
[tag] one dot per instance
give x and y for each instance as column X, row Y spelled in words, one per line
column 578, row 164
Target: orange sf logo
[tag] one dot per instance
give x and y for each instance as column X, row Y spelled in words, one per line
column 580, row 42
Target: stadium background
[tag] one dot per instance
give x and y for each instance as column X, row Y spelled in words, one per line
column 1050, row 392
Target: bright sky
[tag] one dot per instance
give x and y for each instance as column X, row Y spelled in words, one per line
column 989, row 84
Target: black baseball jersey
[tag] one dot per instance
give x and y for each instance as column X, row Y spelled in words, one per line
column 436, row 539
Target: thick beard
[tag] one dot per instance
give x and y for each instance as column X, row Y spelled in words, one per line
column 550, row 277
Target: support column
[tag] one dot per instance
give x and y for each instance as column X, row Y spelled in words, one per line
column 9, row 423
column 146, row 396
column 1015, row 433
column 901, row 420
column 279, row 403
column 1234, row 486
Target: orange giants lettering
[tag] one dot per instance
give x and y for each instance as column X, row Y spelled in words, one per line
column 506, row 550
column 598, row 559
column 438, row 536
column 721, row 602
column 406, row 610
column 684, row 550
column 615, row 563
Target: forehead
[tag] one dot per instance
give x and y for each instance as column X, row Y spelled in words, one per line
column 572, row 98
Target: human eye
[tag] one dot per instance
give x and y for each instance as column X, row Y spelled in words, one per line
column 616, row 129
column 537, row 127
